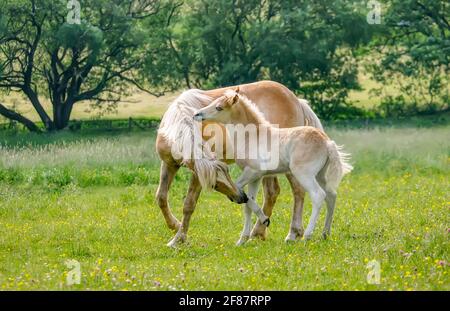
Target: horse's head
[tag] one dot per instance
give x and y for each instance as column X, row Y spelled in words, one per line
column 220, row 110
column 225, row 185
column 214, row 174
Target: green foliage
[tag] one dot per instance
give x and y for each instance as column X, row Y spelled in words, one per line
column 413, row 54
column 316, row 48
column 308, row 46
column 81, row 37
column 102, row 59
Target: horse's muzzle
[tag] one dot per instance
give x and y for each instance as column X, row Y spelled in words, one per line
column 198, row 116
column 242, row 197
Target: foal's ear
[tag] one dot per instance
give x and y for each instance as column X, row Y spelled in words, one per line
column 237, row 90
column 235, row 98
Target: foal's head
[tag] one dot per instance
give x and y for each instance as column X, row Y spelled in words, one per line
column 220, row 110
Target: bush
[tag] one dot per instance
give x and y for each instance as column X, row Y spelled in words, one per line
column 58, row 177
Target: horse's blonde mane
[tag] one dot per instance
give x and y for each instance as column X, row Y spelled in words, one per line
column 181, row 131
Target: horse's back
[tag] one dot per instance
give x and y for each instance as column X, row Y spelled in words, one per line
column 278, row 104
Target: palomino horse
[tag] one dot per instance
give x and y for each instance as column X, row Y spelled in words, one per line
column 279, row 106
column 304, row 152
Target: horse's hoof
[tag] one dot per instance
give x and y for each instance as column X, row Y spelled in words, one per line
column 262, row 235
column 242, row 241
column 294, row 235
column 307, row 237
column 172, row 244
column 175, row 226
column 259, row 231
column 291, row 238
column 176, row 241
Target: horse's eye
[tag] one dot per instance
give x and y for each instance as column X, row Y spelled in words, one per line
column 218, row 108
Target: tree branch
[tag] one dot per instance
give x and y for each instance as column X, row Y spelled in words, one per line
column 10, row 114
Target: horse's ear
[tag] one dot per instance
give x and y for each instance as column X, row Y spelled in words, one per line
column 237, row 90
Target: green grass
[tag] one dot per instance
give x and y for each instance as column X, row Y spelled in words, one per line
column 90, row 197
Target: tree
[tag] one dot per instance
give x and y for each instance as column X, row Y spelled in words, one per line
column 42, row 55
column 414, row 46
column 310, row 46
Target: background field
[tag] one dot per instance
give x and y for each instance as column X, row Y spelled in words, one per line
column 143, row 105
column 89, row 196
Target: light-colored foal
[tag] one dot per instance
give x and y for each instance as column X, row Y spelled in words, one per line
column 305, row 152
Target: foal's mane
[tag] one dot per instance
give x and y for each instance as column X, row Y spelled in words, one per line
column 181, row 131
column 251, row 108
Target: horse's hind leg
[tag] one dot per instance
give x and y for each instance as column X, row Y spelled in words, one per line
column 317, row 195
column 189, row 206
column 296, row 230
column 167, row 174
column 271, row 191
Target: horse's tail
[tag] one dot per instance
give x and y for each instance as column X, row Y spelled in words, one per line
column 310, row 118
column 337, row 166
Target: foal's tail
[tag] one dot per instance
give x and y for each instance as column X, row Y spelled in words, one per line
column 337, row 166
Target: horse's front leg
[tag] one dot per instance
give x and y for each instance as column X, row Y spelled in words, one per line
column 271, row 191
column 189, row 206
column 167, row 174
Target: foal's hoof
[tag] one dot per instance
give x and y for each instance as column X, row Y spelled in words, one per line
column 242, row 241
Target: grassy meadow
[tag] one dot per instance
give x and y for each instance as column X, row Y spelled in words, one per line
column 89, row 196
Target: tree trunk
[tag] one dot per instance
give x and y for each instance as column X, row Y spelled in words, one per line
column 10, row 114
column 61, row 115
column 32, row 96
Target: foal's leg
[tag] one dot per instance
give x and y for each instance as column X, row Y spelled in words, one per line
column 271, row 191
column 296, row 230
column 317, row 194
column 252, row 192
column 167, row 174
column 331, row 204
column 189, row 206
column 330, row 199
